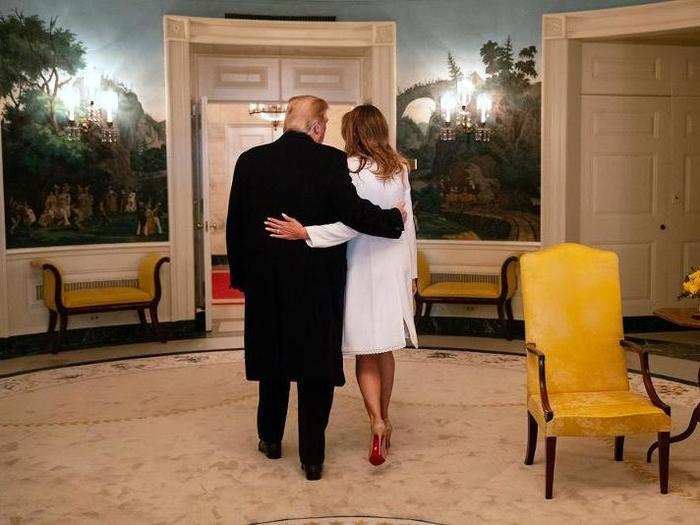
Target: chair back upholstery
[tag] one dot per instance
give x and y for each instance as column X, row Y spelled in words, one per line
column 573, row 313
column 147, row 269
column 424, row 279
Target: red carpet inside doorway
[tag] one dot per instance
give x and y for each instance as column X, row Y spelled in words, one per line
column 221, row 293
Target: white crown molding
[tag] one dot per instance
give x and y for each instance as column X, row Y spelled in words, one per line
column 271, row 32
column 622, row 21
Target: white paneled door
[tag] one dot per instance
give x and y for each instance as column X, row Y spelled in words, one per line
column 684, row 213
column 640, row 168
column 626, row 161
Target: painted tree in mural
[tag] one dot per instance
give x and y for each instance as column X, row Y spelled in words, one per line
column 59, row 188
column 516, row 137
column 455, row 70
column 43, row 59
column 471, row 190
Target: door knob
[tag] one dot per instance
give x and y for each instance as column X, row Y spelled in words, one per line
column 662, row 227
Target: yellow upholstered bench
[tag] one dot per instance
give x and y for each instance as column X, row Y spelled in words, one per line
column 499, row 294
column 62, row 303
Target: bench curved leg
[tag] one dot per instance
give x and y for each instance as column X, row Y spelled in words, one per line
column 153, row 310
column 51, row 330
column 61, row 333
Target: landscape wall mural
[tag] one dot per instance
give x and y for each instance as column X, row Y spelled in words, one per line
column 467, row 189
column 76, row 173
column 76, row 170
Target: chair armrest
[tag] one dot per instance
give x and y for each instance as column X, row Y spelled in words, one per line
column 643, row 354
column 544, row 397
column 47, row 266
column 506, row 290
column 156, row 277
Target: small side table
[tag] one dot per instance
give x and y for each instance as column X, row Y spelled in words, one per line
column 681, row 317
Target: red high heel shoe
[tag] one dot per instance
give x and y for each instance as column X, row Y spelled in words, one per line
column 376, row 458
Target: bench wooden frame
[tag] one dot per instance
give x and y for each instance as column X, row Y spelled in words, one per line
column 60, row 315
column 503, row 304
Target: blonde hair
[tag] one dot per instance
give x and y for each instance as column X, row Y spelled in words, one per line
column 366, row 136
column 303, row 111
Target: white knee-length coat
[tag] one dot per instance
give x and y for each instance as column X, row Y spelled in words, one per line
column 378, row 294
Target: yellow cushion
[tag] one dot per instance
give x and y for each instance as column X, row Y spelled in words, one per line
column 147, row 268
column 573, row 313
column 423, row 272
column 467, row 290
column 599, row 414
column 104, row 296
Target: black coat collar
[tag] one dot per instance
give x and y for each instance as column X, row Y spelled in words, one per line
column 291, row 134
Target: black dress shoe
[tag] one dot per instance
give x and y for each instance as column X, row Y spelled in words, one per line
column 313, row 472
column 272, row 449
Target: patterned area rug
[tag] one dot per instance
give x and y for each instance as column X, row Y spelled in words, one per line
column 348, row 520
column 172, row 439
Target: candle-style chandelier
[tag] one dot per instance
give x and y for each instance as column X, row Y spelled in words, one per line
column 273, row 113
column 461, row 103
column 91, row 109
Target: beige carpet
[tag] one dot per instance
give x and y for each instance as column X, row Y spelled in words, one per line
column 172, row 440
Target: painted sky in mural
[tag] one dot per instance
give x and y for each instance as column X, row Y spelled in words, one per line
column 124, row 37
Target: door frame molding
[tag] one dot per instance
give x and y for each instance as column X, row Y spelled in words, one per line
column 562, row 34
column 179, row 34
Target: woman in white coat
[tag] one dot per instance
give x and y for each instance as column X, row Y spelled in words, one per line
column 381, row 272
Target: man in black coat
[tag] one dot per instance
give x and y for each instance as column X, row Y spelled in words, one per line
column 294, row 295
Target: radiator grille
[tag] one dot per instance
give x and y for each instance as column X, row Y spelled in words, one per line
column 84, row 285
column 465, row 278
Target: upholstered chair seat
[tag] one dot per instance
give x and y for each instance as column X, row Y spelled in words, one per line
column 466, row 290
column 577, row 383
column 613, row 413
column 104, row 296
column 62, row 302
column 499, row 293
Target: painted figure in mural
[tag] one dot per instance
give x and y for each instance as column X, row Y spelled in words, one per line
column 63, row 205
column 131, row 202
column 381, row 272
column 300, row 339
column 140, row 218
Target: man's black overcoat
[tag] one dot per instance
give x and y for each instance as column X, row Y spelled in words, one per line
column 294, row 295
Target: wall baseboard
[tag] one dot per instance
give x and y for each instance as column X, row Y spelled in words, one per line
column 79, row 338
column 31, row 344
column 483, row 327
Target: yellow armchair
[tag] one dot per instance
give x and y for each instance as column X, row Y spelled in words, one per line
column 576, row 368
column 499, row 294
column 62, row 302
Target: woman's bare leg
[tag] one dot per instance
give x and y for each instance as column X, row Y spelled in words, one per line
column 386, row 374
column 367, row 370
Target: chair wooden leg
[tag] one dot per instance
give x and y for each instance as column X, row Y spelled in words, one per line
column 153, row 310
column 531, row 439
column 419, row 312
column 142, row 317
column 510, row 321
column 51, row 331
column 619, row 448
column 502, row 319
column 664, row 452
column 551, row 447
column 428, row 307
column 61, row 333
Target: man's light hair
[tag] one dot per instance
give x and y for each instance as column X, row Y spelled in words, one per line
column 303, row 111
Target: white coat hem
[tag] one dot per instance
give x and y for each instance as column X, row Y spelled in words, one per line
column 371, row 351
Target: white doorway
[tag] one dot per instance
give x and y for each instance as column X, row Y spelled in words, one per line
column 238, row 62
column 621, row 143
